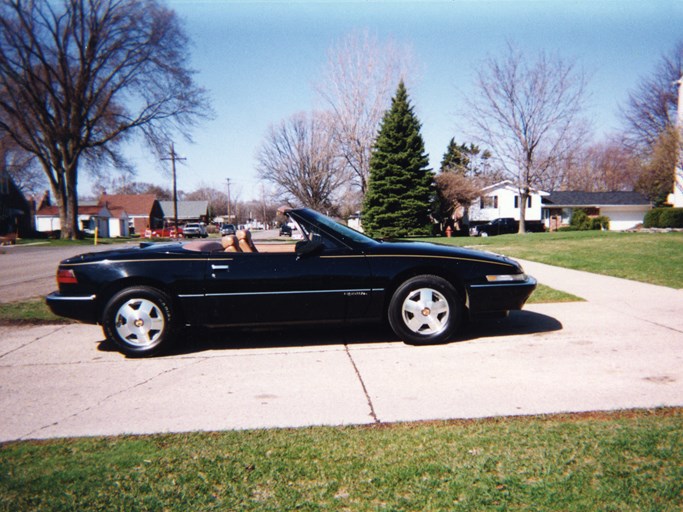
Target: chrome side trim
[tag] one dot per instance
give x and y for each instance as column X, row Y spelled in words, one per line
column 293, row 292
column 61, row 297
column 504, row 284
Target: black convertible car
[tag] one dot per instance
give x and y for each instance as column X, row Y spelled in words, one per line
column 142, row 296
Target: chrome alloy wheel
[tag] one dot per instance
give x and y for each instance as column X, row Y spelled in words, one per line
column 140, row 322
column 425, row 311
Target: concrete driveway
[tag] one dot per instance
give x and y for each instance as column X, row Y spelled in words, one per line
column 622, row 348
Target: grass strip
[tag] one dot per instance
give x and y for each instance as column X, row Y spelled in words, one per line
column 33, row 311
column 631, row 460
column 545, row 295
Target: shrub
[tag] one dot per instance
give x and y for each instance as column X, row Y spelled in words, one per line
column 672, row 218
column 600, row 223
column 664, row 218
column 652, row 217
column 582, row 222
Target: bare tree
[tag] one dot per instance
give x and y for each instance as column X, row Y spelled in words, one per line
column 528, row 113
column 79, row 76
column 357, row 84
column 299, row 157
column 602, row 167
column 651, row 108
column 21, row 166
column 217, row 198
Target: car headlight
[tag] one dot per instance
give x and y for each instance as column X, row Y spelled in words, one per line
column 505, row 278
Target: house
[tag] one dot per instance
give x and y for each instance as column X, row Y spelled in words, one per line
column 90, row 216
column 501, row 200
column 624, row 209
column 119, row 223
column 188, row 211
column 15, row 210
column 143, row 210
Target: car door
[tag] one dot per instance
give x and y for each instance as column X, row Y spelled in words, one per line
column 330, row 284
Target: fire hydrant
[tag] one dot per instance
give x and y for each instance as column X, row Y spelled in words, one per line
column 449, row 231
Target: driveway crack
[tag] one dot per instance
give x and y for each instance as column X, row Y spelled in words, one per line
column 373, row 414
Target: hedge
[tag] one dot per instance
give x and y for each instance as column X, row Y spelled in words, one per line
column 664, row 218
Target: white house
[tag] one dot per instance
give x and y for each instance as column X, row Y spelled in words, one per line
column 89, row 217
column 624, row 209
column 111, row 222
column 501, row 200
column 119, row 222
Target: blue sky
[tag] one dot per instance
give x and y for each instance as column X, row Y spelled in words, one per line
column 259, row 61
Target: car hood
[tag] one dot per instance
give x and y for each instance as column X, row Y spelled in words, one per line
column 435, row 249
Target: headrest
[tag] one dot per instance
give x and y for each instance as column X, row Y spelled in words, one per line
column 230, row 244
column 245, row 243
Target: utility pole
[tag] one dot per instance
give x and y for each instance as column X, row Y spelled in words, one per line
column 228, row 181
column 173, row 158
column 678, row 172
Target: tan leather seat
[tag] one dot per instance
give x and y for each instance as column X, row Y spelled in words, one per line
column 230, row 243
column 244, row 237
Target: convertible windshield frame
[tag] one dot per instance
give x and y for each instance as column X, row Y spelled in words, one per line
column 344, row 234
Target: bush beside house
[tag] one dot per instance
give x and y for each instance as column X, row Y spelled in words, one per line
column 664, row 218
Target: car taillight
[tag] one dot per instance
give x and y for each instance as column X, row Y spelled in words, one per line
column 66, row 277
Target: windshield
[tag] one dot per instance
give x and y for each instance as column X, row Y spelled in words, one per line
column 344, row 233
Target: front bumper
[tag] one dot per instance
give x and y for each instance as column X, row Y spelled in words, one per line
column 500, row 297
column 83, row 309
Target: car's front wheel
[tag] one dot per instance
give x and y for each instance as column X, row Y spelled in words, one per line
column 139, row 320
column 424, row 310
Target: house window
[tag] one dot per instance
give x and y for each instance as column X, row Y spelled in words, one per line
column 528, row 202
column 488, row 202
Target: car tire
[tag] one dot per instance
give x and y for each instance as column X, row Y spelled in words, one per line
column 425, row 310
column 139, row 320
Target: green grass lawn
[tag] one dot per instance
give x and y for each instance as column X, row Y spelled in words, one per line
column 655, row 258
column 32, row 311
column 620, row 461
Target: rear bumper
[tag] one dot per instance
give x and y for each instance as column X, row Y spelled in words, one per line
column 82, row 309
column 497, row 297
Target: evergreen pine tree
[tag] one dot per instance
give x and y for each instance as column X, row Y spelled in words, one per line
column 455, row 159
column 400, row 186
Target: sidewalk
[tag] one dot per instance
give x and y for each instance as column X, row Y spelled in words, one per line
column 657, row 304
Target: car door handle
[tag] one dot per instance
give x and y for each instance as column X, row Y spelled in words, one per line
column 220, row 267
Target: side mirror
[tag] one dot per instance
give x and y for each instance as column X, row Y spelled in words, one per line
column 308, row 247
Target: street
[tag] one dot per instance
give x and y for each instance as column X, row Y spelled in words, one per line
column 29, row 271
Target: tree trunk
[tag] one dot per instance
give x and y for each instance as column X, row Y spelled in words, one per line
column 72, row 231
column 523, row 198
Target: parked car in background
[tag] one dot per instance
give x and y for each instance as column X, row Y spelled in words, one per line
column 194, row 229
column 228, row 229
column 167, row 232
column 285, row 230
column 504, row 226
column 143, row 296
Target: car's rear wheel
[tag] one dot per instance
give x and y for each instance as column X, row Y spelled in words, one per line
column 424, row 310
column 139, row 320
